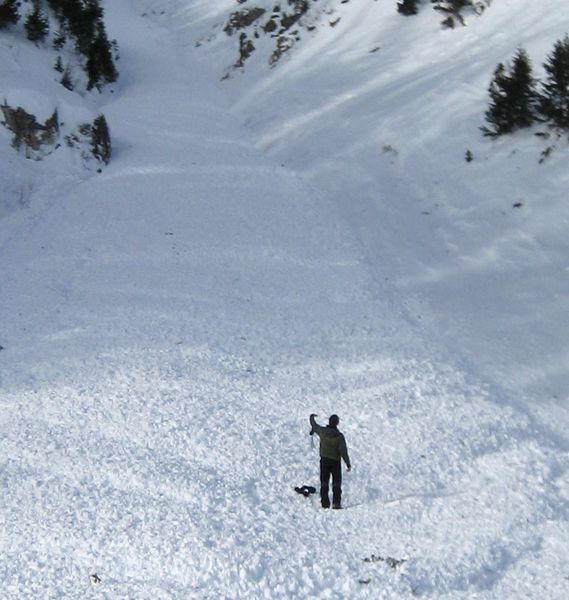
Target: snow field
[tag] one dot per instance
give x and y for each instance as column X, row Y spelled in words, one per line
column 172, row 476
column 168, row 327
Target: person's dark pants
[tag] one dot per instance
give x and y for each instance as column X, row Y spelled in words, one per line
column 329, row 466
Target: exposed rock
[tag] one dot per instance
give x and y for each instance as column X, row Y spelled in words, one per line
column 246, row 48
column 284, row 44
column 278, row 25
column 30, row 135
column 270, row 26
column 288, row 20
column 243, row 18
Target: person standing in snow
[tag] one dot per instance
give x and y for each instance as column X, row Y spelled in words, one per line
column 332, row 450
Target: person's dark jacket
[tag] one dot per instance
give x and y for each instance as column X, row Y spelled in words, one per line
column 332, row 442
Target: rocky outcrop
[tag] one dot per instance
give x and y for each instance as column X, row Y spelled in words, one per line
column 242, row 18
column 282, row 25
column 36, row 140
column 30, row 136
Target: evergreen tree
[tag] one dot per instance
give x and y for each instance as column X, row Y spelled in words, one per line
column 8, row 13
column 59, row 8
column 82, row 19
column 408, row 7
column 523, row 90
column 512, row 97
column 497, row 114
column 101, row 139
column 36, row 24
column 56, row 5
column 554, row 98
column 100, row 66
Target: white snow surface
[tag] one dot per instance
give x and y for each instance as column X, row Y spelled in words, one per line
column 295, row 239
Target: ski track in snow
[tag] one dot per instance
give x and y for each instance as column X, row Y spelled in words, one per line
column 168, row 327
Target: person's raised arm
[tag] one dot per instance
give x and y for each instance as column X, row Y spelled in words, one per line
column 315, row 427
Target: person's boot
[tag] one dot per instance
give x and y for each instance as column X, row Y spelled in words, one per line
column 324, row 497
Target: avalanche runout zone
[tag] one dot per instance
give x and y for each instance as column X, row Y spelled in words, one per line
column 163, row 354
column 174, row 473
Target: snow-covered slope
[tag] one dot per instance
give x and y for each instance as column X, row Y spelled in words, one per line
column 378, row 112
column 259, row 249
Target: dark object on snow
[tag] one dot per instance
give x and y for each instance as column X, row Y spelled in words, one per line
column 95, row 579
column 407, row 7
column 393, row 563
column 332, row 450
column 305, row 490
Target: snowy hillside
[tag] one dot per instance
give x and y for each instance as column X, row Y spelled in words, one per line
column 271, row 239
column 378, row 112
